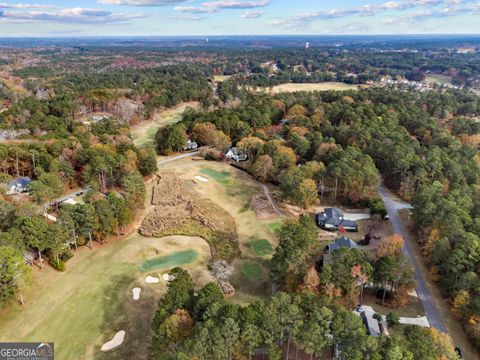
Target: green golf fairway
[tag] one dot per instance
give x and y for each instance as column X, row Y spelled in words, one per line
column 168, row 261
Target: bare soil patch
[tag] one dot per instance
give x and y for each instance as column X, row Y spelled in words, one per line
column 262, row 206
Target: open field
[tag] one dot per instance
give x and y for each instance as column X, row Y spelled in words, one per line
column 438, row 78
column 325, row 86
column 221, row 78
column 144, row 133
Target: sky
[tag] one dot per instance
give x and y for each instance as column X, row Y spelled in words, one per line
column 69, row 18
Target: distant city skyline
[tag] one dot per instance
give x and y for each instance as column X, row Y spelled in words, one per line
column 68, row 18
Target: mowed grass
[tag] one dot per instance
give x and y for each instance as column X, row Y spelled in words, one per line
column 261, row 247
column 221, row 78
column 80, row 308
column 169, row 261
column 324, row 86
column 143, row 134
column 222, row 177
column 275, row 226
column 438, row 78
column 252, row 270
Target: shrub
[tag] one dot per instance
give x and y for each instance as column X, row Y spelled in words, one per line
column 393, row 318
column 376, row 207
column 59, row 265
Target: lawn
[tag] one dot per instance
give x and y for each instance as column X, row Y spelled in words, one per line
column 221, row 78
column 324, row 86
column 261, row 247
column 81, row 307
column 222, row 177
column 169, row 261
column 252, row 270
column 275, row 226
column 438, row 78
column 143, row 134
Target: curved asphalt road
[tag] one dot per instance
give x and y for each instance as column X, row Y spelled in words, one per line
column 423, row 291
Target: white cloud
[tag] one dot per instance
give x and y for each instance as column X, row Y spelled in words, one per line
column 141, row 2
column 25, row 6
column 426, row 8
column 214, row 6
column 72, row 15
column 252, row 14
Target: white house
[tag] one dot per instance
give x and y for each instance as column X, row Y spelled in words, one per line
column 236, row 154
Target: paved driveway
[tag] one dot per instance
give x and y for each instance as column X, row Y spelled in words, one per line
column 393, row 206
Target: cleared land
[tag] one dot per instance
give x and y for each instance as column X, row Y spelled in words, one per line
column 438, row 78
column 221, row 78
column 325, row 86
column 144, row 133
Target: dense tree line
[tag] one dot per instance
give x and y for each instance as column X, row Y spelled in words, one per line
column 205, row 326
column 103, row 162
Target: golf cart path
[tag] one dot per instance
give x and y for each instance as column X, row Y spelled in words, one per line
column 270, row 199
column 423, row 291
column 178, row 157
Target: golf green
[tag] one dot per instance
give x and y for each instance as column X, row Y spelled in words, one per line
column 168, row 261
column 261, row 247
column 222, row 177
column 252, row 270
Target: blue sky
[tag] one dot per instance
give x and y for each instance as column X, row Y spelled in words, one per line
column 236, row 17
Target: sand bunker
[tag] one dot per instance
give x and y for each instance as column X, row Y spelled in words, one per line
column 167, row 277
column 116, row 341
column 136, row 293
column 152, row 280
column 201, row 178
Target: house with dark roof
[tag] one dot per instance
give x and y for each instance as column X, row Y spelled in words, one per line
column 333, row 219
column 342, row 243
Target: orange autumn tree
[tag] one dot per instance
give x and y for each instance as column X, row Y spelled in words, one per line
column 390, row 245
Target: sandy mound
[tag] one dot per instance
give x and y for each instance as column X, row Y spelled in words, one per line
column 262, row 206
column 179, row 212
column 116, row 341
column 152, row 280
column 136, row 293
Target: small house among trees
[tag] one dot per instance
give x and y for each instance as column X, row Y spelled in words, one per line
column 333, row 219
column 236, row 154
column 18, row 186
column 191, row 145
